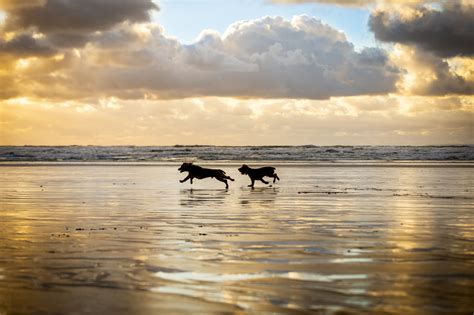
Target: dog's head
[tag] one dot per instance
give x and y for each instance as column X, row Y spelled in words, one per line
column 185, row 167
column 244, row 169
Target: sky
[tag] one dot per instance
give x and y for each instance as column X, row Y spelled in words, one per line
column 270, row 72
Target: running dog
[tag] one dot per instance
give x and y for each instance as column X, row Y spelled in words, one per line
column 259, row 173
column 198, row 172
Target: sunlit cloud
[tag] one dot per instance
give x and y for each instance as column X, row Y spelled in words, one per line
column 347, row 120
column 427, row 74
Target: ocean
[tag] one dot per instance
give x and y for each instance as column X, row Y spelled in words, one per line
column 178, row 153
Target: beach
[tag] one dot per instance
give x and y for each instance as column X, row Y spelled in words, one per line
column 329, row 238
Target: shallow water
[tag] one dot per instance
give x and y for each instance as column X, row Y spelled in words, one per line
column 132, row 239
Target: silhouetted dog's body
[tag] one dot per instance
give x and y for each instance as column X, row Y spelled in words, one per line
column 259, row 173
column 198, row 172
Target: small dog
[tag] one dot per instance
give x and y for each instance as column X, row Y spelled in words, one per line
column 198, row 172
column 259, row 173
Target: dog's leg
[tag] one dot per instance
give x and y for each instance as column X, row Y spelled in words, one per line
column 263, row 181
column 229, row 178
column 191, row 179
column 253, row 182
column 222, row 179
column 185, row 179
column 275, row 177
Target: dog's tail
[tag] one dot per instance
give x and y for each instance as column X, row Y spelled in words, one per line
column 222, row 173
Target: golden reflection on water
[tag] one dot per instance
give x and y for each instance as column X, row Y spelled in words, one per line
column 329, row 239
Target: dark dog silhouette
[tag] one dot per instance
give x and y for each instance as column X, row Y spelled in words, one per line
column 198, row 172
column 259, row 173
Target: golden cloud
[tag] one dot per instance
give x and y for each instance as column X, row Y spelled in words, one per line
column 348, row 120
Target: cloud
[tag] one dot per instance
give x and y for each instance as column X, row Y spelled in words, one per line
column 446, row 81
column 426, row 38
column 15, row 4
column 70, row 23
column 447, row 32
column 268, row 57
column 71, row 16
column 427, row 74
column 9, row 88
column 25, row 46
column 443, row 27
column 348, row 120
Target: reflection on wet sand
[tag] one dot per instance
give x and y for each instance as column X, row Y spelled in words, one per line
column 120, row 241
column 199, row 197
column 258, row 197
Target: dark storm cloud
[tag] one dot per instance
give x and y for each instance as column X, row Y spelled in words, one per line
column 25, row 46
column 447, row 33
column 73, row 16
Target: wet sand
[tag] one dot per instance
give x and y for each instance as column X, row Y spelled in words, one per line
column 130, row 239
